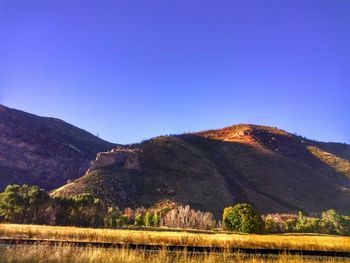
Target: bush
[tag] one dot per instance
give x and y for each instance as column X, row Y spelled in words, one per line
column 185, row 217
column 242, row 218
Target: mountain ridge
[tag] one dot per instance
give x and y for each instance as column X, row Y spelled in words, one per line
column 275, row 170
column 43, row 150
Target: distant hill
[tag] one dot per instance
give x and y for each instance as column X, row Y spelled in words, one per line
column 268, row 167
column 43, row 151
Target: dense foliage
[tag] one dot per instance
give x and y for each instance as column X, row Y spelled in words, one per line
column 22, row 204
column 329, row 222
column 32, row 205
column 242, row 218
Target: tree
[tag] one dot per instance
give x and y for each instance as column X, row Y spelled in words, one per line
column 272, row 226
column 87, row 210
column 185, row 217
column 306, row 224
column 332, row 222
column 242, row 218
column 290, row 225
column 138, row 220
column 110, row 219
column 148, row 219
column 155, row 219
column 11, row 204
column 21, row 204
column 122, row 220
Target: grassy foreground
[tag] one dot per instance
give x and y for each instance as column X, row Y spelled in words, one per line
column 224, row 240
column 31, row 254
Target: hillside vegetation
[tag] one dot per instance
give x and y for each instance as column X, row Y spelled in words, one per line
column 43, row 151
column 272, row 169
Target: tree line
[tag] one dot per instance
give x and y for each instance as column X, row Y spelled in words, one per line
column 245, row 219
column 31, row 205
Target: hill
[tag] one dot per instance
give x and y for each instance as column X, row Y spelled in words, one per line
column 268, row 167
column 43, row 151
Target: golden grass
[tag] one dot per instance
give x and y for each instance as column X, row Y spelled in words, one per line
column 224, row 240
column 42, row 253
column 338, row 164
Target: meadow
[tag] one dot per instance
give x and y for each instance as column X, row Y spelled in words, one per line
column 178, row 237
column 49, row 254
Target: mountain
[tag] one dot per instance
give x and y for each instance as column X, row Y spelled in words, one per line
column 274, row 170
column 43, row 151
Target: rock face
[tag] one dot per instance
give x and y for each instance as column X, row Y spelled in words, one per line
column 43, row 151
column 125, row 156
column 122, row 179
column 270, row 168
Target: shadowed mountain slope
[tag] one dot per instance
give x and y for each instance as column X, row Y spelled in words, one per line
column 43, row 151
column 268, row 167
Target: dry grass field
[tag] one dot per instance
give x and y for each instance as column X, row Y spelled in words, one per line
column 215, row 239
column 34, row 254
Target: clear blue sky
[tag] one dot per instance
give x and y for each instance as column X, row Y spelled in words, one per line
column 134, row 69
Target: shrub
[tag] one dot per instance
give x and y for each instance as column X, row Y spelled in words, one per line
column 185, row 217
column 242, row 218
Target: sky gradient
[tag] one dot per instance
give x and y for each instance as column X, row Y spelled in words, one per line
column 134, row 69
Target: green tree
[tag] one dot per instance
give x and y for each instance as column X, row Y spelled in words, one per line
column 290, row 225
column 272, row 226
column 332, row 222
column 21, row 204
column 347, row 224
column 138, row 220
column 242, row 218
column 62, row 211
column 122, row 220
column 148, row 219
column 306, row 224
column 87, row 211
column 156, row 219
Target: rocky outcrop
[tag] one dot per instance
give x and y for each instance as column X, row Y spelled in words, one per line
column 126, row 157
